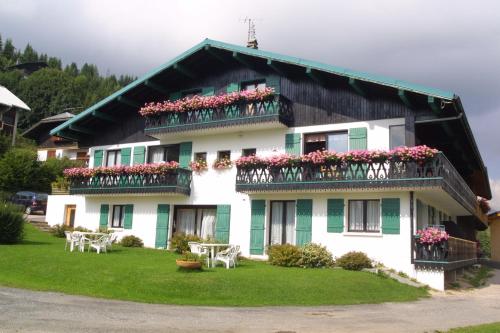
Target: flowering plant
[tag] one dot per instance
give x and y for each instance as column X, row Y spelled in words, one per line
column 417, row 153
column 206, row 102
column 198, row 165
column 222, row 163
column 432, row 235
column 139, row 169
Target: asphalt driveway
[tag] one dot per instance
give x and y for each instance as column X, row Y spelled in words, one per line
column 30, row 311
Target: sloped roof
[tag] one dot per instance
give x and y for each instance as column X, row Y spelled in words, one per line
column 280, row 58
column 44, row 124
column 10, row 100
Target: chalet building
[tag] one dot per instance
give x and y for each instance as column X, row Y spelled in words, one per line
column 50, row 146
column 10, row 108
column 374, row 206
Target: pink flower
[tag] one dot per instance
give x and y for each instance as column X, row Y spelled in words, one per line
column 139, row 169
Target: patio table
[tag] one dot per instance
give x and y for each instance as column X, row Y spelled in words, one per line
column 213, row 248
column 87, row 236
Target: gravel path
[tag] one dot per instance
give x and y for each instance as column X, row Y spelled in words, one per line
column 31, row 311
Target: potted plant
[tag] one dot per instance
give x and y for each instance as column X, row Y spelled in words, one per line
column 189, row 260
column 432, row 243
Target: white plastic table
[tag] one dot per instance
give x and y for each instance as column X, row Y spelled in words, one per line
column 213, row 248
column 83, row 238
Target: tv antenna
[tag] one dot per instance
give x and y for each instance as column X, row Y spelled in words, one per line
column 252, row 39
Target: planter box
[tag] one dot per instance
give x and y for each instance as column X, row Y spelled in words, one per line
column 188, row 264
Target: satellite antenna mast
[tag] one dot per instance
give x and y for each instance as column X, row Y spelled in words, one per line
column 252, row 39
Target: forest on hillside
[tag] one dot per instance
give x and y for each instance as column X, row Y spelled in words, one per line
column 55, row 88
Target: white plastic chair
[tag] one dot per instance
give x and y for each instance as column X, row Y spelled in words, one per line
column 100, row 244
column 72, row 239
column 229, row 256
column 111, row 239
column 196, row 248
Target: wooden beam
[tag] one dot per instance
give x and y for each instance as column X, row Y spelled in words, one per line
column 129, row 102
column 275, row 67
column 105, row 116
column 314, row 76
column 433, row 103
column 72, row 136
column 155, row 86
column 356, row 86
column 183, row 70
column 404, row 98
column 82, row 129
column 214, row 54
column 241, row 60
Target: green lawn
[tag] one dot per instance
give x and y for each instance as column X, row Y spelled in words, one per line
column 148, row 275
column 486, row 328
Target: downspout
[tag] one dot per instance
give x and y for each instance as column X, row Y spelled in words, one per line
column 14, row 130
column 412, row 246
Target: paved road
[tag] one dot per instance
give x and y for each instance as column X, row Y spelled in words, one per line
column 29, row 311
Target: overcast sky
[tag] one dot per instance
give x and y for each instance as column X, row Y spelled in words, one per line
column 452, row 45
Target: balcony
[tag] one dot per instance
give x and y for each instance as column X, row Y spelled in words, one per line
column 451, row 254
column 436, row 172
column 175, row 182
column 242, row 116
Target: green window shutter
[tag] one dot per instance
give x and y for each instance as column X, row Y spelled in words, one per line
column 292, row 143
column 335, row 215
column 274, row 82
column 358, row 138
column 222, row 223
column 258, row 212
column 185, row 152
column 162, row 217
column 127, row 219
column 139, row 155
column 98, row 154
column 103, row 217
column 208, row 91
column 175, row 96
column 304, row 221
column 390, row 216
column 125, row 156
column 232, row 87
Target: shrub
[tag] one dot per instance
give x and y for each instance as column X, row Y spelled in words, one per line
column 315, row 256
column 11, row 224
column 354, row 261
column 193, row 257
column 82, row 229
column 179, row 242
column 131, row 241
column 59, row 229
column 284, row 255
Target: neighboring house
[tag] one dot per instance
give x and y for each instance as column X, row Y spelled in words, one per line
column 494, row 220
column 10, row 107
column 54, row 146
column 373, row 208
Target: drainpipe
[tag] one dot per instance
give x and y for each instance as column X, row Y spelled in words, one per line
column 412, row 246
column 14, row 130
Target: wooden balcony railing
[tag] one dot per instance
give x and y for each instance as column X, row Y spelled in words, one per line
column 436, row 172
column 178, row 181
column 450, row 254
column 278, row 110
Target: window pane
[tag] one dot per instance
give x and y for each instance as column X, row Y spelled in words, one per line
column 276, row 231
column 338, row 142
column 396, row 136
column 110, row 159
column 372, row 215
column 290, row 223
column 200, row 157
column 117, row 212
column 172, row 153
column 249, row 152
column 356, row 215
column 155, row 154
column 118, row 159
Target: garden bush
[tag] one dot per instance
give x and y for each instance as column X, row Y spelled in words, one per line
column 131, row 241
column 354, row 261
column 179, row 242
column 284, row 255
column 11, row 224
column 315, row 256
column 58, row 230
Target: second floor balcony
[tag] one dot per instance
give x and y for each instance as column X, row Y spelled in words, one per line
column 274, row 112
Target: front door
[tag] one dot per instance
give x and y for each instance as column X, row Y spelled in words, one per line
column 69, row 216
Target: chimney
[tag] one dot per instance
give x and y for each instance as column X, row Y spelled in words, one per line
column 253, row 44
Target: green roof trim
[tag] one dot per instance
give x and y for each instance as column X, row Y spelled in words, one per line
column 273, row 57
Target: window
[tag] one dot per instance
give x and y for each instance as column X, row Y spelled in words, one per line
column 396, row 136
column 195, row 220
column 249, row 152
column 282, row 222
column 364, row 215
column 157, row 154
column 118, row 216
column 113, row 157
column 260, row 85
column 51, row 153
column 224, row 154
column 335, row 141
column 200, row 156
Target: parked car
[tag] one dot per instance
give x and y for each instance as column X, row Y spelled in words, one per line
column 31, row 201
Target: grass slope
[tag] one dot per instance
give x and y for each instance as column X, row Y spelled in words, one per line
column 486, row 328
column 148, row 275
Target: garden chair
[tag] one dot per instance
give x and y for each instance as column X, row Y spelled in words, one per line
column 229, row 256
column 111, row 239
column 196, row 248
column 100, row 244
column 72, row 239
